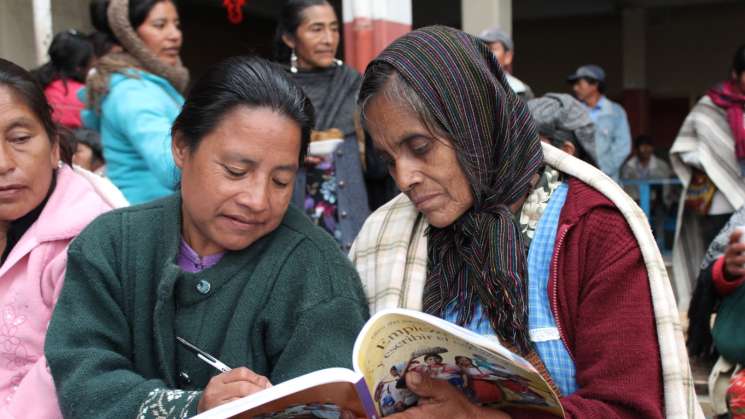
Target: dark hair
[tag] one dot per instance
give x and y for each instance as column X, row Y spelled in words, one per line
column 242, row 81
column 738, row 61
column 90, row 138
column 25, row 88
column 643, row 139
column 600, row 84
column 290, row 18
column 69, row 56
column 138, row 11
column 102, row 43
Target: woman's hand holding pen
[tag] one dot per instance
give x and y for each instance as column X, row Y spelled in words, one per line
column 231, row 385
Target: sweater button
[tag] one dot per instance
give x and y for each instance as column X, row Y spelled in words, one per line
column 184, row 379
column 339, row 153
column 343, row 214
column 342, row 184
column 203, row 287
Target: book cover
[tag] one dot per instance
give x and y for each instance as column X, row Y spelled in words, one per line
column 392, row 343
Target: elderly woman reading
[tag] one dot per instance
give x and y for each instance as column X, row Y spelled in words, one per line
column 513, row 239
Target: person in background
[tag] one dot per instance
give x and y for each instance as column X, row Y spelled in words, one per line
column 102, row 44
column 134, row 96
column 513, row 239
column 102, row 38
column 564, row 123
column 644, row 164
column 88, row 152
column 708, row 156
column 612, row 134
column 720, row 289
column 44, row 205
column 226, row 264
column 330, row 188
column 501, row 44
column 62, row 78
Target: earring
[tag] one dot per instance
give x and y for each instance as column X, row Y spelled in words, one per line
column 293, row 61
column 338, row 62
column 60, row 163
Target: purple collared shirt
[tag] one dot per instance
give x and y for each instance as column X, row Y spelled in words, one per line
column 190, row 261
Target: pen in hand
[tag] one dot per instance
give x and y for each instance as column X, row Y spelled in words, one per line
column 204, row 356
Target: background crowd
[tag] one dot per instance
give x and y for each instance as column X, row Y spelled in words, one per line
column 390, row 167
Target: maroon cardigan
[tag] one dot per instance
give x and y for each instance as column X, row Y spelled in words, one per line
column 599, row 293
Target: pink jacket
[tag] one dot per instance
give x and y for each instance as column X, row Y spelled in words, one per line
column 66, row 106
column 30, row 281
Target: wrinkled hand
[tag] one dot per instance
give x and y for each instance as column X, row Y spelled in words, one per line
column 439, row 399
column 230, row 386
column 734, row 259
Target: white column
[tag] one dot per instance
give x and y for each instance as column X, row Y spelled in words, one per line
column 634, row 49
column 42, row 10
column 478, row 15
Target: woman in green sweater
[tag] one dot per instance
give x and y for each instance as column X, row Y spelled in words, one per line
column 225, row 264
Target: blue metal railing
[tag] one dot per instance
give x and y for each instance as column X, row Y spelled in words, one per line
column 645, row 202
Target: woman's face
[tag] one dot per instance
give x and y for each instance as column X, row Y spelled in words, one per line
column 316, row 39
column 424, row 166
column 237, row 184
column 161, row 32
column 27, row 158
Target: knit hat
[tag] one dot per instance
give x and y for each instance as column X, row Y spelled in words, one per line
column 494, row 34
column 561, row 117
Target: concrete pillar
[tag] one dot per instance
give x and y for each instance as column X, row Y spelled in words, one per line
column 478, row 15
column 634, row 49
column 635, row 90
column 43, row 34
column 17, row 42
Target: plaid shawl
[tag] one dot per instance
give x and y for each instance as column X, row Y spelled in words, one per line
column 390, row 254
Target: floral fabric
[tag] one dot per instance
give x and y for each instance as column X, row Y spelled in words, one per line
column 736, row 395
column 321, row 196
column 536, row 203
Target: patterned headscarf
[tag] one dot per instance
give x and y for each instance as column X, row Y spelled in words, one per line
column 481, row 257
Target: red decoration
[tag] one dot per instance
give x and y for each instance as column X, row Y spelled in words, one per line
column 235, row 10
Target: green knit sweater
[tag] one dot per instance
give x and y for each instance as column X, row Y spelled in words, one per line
column 287, row 305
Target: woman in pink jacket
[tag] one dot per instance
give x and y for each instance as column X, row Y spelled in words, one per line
column 44, row 204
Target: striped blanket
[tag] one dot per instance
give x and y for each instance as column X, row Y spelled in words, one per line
column 707, row 134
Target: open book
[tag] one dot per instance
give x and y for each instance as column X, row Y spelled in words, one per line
column 392, row 343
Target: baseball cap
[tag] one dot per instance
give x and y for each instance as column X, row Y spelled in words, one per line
column 590, row 71
column 495, row 34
